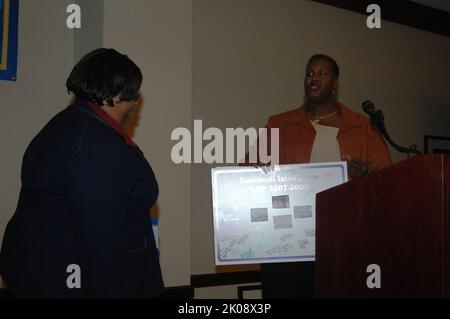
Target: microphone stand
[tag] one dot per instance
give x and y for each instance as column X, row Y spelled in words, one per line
column 377, row 119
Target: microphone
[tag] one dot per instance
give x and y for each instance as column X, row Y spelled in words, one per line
column 377, row 119
column 368, row 107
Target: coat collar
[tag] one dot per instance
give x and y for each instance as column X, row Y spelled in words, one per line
column 84, row 107
column 349, row 118
column 107, row 119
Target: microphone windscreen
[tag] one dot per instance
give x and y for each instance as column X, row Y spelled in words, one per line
column 368, row 107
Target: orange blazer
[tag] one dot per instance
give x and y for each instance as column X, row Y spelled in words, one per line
column 356, row 137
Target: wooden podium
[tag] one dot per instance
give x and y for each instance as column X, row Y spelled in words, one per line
column 398, row 219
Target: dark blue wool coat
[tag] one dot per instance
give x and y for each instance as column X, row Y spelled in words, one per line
column 85, row 200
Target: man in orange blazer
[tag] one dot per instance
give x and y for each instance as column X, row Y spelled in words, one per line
column 321, row 130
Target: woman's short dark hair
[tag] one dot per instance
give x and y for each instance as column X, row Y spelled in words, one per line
column 103, row 74
column 334, row 65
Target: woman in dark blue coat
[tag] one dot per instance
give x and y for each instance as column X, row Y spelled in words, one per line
column 82, row 227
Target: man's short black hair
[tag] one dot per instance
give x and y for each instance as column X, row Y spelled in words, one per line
column 334, row 65
column 103, row 74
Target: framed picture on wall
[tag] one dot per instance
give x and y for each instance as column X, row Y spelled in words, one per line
column 436, row 144
column 9, row 16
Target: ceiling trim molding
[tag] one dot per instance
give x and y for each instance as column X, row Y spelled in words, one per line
column 404, row 12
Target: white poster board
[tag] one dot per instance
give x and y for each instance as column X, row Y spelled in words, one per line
column 269, row 217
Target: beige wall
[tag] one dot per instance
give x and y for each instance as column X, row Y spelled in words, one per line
column 157, row 36
column 90, row 36
column 248, row 63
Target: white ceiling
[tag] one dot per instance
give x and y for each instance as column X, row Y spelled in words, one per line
column 438, row 4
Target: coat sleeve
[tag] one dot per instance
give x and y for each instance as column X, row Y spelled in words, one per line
column 253, row 156
column 377, row 150
column 98, row 184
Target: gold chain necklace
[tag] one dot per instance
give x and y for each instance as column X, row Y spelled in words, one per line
column 317, row 119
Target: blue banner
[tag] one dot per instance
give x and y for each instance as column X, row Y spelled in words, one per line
column 9, row 18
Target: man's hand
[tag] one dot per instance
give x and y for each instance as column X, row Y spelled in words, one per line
column 356, row 167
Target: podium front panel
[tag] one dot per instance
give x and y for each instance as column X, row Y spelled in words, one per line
column 385, row 235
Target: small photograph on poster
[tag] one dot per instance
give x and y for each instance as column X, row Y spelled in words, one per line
column 259, row 215
column 282, row 221
column 304, row 211
column 280, row 201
